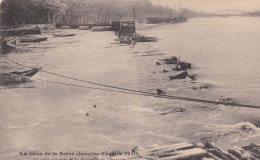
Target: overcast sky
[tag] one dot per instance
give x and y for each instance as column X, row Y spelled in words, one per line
column 211, row 5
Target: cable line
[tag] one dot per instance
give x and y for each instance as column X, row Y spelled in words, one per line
column 138, row 92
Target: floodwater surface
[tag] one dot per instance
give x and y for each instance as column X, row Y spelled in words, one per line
column 45, row 116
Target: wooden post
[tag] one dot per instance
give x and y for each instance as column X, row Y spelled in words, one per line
column 134, row 18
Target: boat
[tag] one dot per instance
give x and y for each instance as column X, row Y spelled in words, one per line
column 32, row 40
column 181, row 75
column 17, row 77
column 7, row 78
column 21, row 31
column 27, row 73
column 171, row 19
column 85, row 27
column 64, row 35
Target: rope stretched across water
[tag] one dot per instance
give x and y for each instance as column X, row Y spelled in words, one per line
column 136, row 92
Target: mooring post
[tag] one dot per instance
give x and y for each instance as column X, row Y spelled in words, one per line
column 134, row 18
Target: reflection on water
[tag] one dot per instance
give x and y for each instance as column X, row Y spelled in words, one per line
column 46, row 116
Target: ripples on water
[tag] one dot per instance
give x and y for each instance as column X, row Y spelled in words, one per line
column 224, row 53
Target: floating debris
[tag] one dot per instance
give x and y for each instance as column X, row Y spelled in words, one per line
column 155, row 54
column 154, row 51
column 160, row 92
column 177, row 68
column 179, row 64
column 181, row 75
column 165, row 71
column 158, row 63
column 205, row 86
column 226, row 100
column 171, row 60
column 176, row 110
column 126, row 40
column 193, row 76
column 135, row 38
column 141, row 38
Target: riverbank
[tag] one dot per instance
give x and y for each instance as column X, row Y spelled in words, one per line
column 45, row 116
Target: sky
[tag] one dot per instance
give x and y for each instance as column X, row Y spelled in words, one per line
column 209, row 6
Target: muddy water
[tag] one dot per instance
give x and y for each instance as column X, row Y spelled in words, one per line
column 45, row 116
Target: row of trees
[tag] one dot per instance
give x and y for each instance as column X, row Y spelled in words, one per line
column 76, row 11
column 30, row 11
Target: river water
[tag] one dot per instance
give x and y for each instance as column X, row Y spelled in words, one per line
column 44, row 116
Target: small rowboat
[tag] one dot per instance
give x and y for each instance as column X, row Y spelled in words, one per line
column 32, row 40
column 64, row 35
column 181, row 75
column 27, row 73
column 7, row 78
column 17, row 77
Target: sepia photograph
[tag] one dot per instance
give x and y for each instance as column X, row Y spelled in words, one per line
column 129, row 80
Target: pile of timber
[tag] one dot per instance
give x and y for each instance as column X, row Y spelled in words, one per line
column 126, row 40
column 141, row 38
column 253, row 149
column 132, row 40
column 187, row 151
column 235, row 153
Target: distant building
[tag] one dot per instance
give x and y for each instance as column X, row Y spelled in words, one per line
column 124, row 27
column 154, row 20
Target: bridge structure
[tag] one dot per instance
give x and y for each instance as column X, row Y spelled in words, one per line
column 230, row 12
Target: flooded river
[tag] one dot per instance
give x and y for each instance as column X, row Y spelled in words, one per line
column 44, row 116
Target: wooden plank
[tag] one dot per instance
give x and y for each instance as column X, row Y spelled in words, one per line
column 194, row 153
column 177, row 146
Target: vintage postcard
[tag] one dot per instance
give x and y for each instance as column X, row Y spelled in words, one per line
column 129, row 79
